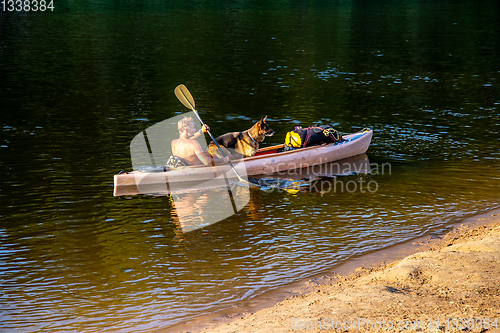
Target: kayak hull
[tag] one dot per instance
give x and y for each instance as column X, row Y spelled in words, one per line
column 266, row 161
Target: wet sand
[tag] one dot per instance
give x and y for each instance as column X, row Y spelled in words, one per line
column 451, row 284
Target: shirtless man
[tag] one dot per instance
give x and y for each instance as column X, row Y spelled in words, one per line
column 188, row 149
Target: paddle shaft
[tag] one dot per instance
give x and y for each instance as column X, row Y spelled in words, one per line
column 217, row 144
column 211, row 136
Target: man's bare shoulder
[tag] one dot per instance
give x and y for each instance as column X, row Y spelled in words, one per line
column 194, row 143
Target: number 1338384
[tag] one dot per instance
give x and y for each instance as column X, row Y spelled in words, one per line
column 27, row 5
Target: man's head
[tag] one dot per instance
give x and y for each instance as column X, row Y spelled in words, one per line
column 185, row 123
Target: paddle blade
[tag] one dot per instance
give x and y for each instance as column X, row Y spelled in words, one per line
column 184, row 96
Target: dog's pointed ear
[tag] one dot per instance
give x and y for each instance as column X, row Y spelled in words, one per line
column 265, row 119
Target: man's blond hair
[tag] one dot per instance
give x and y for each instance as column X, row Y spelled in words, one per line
column 184, row 123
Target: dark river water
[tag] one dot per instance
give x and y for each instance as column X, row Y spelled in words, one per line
column 79, row 82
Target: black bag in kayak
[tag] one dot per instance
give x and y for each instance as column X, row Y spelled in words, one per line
column 311, row 136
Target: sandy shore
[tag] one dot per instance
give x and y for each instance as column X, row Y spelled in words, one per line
column 452, row 278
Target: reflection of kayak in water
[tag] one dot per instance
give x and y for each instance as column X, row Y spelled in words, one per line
column 206, row 203
column 266, row 161
column 198, row 207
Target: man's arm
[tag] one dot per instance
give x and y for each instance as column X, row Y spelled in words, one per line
column 205, row 159
column 196, row 135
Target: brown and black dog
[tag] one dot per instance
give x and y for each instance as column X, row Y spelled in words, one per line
column 242, row 144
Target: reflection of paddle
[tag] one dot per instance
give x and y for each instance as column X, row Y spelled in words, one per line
column 187, row 99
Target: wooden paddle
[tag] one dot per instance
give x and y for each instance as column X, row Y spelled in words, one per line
column 187, row 99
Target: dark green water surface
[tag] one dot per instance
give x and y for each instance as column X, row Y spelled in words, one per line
column 77, row 84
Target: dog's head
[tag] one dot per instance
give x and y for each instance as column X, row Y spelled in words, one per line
column 263, row 128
